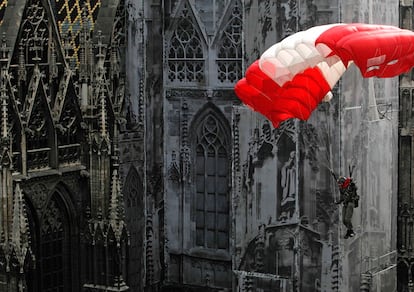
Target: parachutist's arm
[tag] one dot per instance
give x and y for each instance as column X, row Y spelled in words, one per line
column 334, row 175
column 342, row 197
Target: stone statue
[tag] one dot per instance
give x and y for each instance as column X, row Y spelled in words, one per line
column 288, row 178
column 288, row 184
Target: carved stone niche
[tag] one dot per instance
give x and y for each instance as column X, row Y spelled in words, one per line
column 264, row 141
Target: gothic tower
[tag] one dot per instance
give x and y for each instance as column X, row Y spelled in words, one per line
column 63, row 108
column 405, row 191
column 190, row 90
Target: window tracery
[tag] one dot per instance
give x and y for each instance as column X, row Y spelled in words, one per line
column 229, row 58
column 185, row 54
column 54, row 249
column 69, row 133
column 212, row 202
column 38, row 136
column 135, row 220
column 35, row 34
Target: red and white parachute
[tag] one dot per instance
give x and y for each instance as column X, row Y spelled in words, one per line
column 293, row 76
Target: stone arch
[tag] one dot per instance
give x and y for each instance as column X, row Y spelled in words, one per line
column 54, row 243
column 134, row 200
column 210, row 109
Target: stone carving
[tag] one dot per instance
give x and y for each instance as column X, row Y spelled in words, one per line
column 309, row 143
column 174, row 171
column 38, row 193
column 288, row 184
column 236, row 142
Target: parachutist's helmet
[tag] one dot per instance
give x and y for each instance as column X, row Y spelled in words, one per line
column 341, row 180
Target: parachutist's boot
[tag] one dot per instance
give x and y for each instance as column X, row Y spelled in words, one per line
column 351, row 233
column 348, row 234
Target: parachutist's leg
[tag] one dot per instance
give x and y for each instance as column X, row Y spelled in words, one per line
column 347, row 212
column 347, row 215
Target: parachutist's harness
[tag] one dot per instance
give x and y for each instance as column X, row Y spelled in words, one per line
column 348, row 191
column 347, row 188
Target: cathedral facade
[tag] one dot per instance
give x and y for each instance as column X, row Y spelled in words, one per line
column 405, row 190
column 129, row 164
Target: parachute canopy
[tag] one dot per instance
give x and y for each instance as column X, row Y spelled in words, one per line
column 293, row 76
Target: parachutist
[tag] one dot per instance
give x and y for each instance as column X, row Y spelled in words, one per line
column 349, row 198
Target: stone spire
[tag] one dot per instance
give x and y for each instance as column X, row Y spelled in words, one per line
column 100, row 61
column 103, row 116
column 6, row 158
column 20, row 234
column 4, row 57
column 21, row 72
column 116, row 208
column 85, row 47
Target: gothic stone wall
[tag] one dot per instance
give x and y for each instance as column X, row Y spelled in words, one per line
column 362, row 113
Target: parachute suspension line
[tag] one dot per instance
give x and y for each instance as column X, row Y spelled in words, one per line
column 339, row 10
column 340, row 215
column 328, row 151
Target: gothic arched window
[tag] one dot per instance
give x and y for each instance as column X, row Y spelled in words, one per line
column 185, row 53
column 135, row 221
column 212, row 179
column 54, row 258
column 229, row 59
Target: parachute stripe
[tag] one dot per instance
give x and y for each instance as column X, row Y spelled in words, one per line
column 293, row 76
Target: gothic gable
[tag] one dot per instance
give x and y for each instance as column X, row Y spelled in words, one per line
column 65, row 97
column 37, row 56
column 68, row 121
column 186, row 12
column 210, row 14
column 40, row 128
column 37, row 35
column 227, row 43
column 230, row 23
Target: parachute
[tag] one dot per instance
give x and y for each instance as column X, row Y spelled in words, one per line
column 293, row 76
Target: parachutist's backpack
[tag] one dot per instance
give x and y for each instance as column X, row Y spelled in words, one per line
column 352, row 194
column 349, row 191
